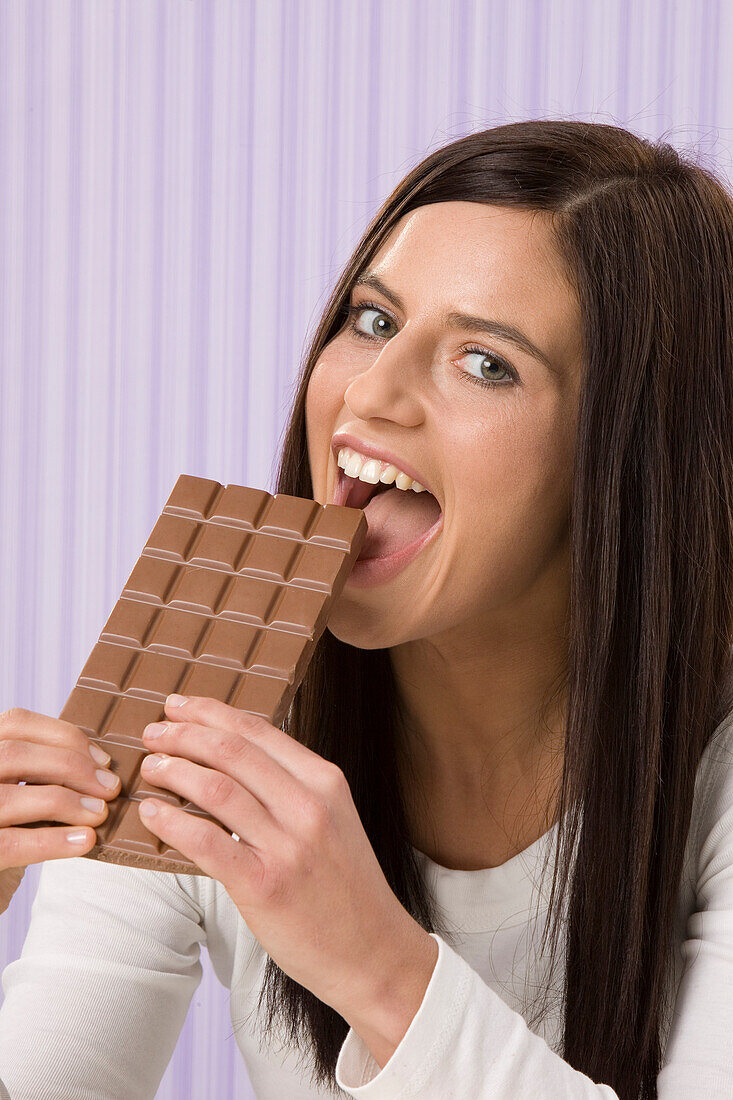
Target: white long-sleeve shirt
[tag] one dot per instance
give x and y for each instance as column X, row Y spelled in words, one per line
column 98, row 927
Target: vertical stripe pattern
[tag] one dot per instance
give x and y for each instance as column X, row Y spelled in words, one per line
column 181, row 181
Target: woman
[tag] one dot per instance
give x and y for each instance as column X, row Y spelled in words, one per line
column 537, row 328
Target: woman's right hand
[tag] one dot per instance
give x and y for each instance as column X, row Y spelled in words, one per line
column 56, row 760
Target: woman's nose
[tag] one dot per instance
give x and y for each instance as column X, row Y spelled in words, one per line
column 386, row 389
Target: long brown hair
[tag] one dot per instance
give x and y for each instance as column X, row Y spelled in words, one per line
column 646, row 236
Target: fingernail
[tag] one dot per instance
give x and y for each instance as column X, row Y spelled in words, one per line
column 155, row 729
column 151, row 762
column 107, row 779
column 148, row 808
column 176, row 700
column 99, row 755
column 78, row 836
column 94, row 805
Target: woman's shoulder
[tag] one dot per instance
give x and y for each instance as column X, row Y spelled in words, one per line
column 717, row 758
column 712, row 814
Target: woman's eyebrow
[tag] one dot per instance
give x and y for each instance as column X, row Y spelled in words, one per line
column 467, row 322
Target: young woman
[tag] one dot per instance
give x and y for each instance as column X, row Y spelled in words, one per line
column 535, row 338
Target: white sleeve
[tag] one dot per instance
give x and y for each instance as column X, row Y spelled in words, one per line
column 96, row 1001
column 699, row 1056
column 465, row 1040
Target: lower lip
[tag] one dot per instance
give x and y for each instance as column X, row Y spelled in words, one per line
column 371, row 571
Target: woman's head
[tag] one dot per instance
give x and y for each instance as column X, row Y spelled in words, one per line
column 489, row 425
column 628, row 460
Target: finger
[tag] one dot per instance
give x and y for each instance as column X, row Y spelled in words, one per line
column 42, row 763
column 23, row 846
column 210, row 848
column 210, row 712
column 299, row 760
column 219, row 795
column 27, row 725
column 235, row 756
column 22, row 805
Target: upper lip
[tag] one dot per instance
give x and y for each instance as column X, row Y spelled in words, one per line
column 374, row 450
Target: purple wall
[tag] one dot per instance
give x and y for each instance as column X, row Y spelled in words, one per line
column 180, row 183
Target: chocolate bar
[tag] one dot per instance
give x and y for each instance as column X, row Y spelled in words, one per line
column 228, row 599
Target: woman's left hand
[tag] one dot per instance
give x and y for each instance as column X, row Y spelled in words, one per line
column 303, row 874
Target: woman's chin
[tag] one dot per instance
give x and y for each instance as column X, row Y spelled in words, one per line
column 354, row 625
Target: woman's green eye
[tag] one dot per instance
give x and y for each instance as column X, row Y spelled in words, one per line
column 497, row 363
column 493, row 364
column 356, row 311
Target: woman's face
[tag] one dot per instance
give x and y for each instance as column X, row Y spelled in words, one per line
column 498, row 459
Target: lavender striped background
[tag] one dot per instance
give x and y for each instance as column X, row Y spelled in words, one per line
column 180, row 183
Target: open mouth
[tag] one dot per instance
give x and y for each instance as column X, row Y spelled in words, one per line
column 396, row 518
column 359, row 493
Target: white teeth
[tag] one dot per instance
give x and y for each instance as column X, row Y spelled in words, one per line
column 353, row 465
column 368, row 469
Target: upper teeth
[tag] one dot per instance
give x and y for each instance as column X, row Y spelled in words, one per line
column 371, row 470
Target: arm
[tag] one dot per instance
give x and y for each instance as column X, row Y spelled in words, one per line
column 96, row 1001
column 464, row 1039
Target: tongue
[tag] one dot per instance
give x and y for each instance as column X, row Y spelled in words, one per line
column 395, row 519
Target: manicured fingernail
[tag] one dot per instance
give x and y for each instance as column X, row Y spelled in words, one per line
column 148, row 808
column 78, row 836
column 155, row 729
column 154, row 761
column 107, row 779
column 99, row 755
column 94, row 805
column 176, row 700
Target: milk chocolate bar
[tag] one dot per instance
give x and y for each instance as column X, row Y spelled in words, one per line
column 230, row 595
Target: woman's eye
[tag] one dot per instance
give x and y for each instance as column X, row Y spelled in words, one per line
column 488, row 362
column 491, row 369
column 356, row 314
